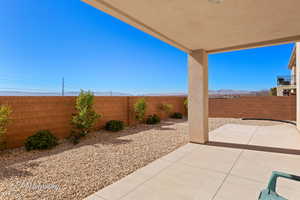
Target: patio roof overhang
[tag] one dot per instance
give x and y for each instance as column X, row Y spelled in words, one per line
column 215, row 27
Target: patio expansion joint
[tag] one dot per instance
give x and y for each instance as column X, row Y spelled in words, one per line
column 170, row 164
column 148, row 179
column 227, row 175
column 202, row 168
column 253, row 134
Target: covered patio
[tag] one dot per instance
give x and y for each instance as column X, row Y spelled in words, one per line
column 212, row 171
column 204, row 27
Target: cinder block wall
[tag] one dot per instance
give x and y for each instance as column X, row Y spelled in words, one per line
column 272, row 107
column 31, row 114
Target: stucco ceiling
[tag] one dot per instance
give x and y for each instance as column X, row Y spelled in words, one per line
column 200, row 24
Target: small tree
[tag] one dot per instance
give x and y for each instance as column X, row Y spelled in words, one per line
column 5, row 112
column 140, row 109
column 85, row 118
column 165, row 107
column 273, row 91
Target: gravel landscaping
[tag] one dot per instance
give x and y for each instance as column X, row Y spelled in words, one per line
column 75, row 172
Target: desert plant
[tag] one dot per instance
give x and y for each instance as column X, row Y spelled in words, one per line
column 186, row 103
column 85, row 118
column 43, row 139
column 153, row 119
column 114, row 125
column 165, row 107
column 177, row 115
column 140, row 108
column 5, row 112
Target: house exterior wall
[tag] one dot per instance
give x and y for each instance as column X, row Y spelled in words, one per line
column 282, row 88
column 31, row 114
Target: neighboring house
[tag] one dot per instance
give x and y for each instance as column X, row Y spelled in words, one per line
column 286, row 85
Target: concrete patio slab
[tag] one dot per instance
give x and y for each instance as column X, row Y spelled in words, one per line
column 258, row 166
column 179, row 182
column 181, row 152
column 239, row 188
column 233, row 133
column 280, row 136
column 132, row 181
column 212, row 158
column 195, row 172
column 284, row 136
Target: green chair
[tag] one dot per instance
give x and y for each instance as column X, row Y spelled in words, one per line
column 270, row 192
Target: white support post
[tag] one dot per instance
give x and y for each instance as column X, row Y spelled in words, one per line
column 198, row 97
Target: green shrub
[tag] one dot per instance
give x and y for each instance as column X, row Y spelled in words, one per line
column 176, row 115
column 140, row 108
column 185, row 103
column 165, row 107
column 85, row 118
column 153, row 119
column 5, row 112
column 43, row 139
column 114, row 125
column 186, row 106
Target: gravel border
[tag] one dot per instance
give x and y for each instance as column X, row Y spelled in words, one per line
column 75, row 172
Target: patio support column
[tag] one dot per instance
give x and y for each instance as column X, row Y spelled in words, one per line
column 198, row 96
column 298, row 83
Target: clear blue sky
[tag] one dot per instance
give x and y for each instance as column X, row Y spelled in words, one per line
column 42, row 41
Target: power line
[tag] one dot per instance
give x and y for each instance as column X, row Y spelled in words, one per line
column 63, row 87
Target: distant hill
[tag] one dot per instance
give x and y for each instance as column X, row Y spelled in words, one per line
column 238, row 93
column 212, row 93
column 166, row 94
column 218, row 93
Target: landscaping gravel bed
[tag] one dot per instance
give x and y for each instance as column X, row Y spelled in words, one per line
column 75, row 172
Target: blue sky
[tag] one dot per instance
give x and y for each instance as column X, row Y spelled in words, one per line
column 42, row 42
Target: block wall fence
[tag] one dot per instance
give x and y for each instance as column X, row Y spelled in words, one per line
column 31, row 114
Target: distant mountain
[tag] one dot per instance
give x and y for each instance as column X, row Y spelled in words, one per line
column 228, row 92
column 165, row 94
column 217, row 93
column 221, row 92
column 212, row 93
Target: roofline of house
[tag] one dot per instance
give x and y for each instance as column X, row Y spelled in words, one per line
column 292, row 61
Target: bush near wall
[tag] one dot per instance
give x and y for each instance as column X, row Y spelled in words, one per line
column 114, row 125
column 177, row 115
column 153, row 119
column 43, row 139
column 31, row 114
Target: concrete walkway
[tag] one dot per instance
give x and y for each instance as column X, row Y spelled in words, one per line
column 202, row 172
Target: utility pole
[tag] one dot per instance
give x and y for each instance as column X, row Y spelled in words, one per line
column 63, row 87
